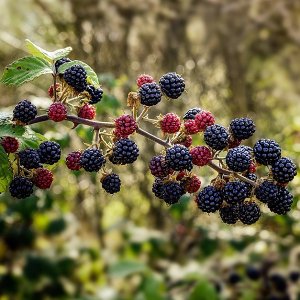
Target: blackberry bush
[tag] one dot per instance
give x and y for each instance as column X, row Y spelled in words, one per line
column 75, row 91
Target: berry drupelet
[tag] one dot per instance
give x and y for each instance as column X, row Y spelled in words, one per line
column 178, row 158
column 92, row 160
column 150, row 94
column 209, row 199
column 266, row 151
column 172, row 85
column 111, row 183
column 24, row 111
column 49, row 152
column 21, row 187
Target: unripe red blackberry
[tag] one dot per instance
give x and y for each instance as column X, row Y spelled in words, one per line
column 172, row 85
column 87, row 111
column 125, row 151
column 170, row 123
column 238, row 159
column 186, row 141
column 144, row 78
column 191, row 184
column 111, row 183
column 43, row 178
column 49, row 152
column 92, row 160
column 30, row 159
column 266, row 151
column 158, row 166
column 57, row 112
column 242, row 128
column 204, row 119
column 249, row 213
column 266, row 191
column 172, row 192
column 24, row 111
column 252, row 167
column 190, row 127
column 73, row 160
column 178, row 158
column 125, row 125
column 229, row 214
column 158, row 188
column 9, row 144
column 209, row 199
column 284, row 170
column 21, row 187
column 282, row 204
column 51, row 89
column 216, row 136
column 95, row 94
column 201, row 155
column 150, row 94
column 76, row 76
column 191, row 113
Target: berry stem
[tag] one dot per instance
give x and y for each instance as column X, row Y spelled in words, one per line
column 144, row 111
column 54, row 87
column 99, row 124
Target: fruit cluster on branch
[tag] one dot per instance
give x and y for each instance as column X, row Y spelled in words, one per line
column 236, row 190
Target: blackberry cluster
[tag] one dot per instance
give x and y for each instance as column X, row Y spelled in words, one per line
column 49, row 152
column 179, row 158
column 95, row 94
column 111, row 183
column 172, row 85
column 150, row 94
column 24, row 111
column 242, row 128
column 191, row 113
column 92, row 160
column 125, row 151
column 216, row 136
column 238, row 159
column 75, row 76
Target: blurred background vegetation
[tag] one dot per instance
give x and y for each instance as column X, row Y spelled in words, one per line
column 239, row 58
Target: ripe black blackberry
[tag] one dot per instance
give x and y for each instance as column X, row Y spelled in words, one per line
column 158, row 166
column 30, row 159
column 49, row 152
column 266, row 192
column 209, row 199
column 96, row 94
column 60, row 62
column 234, row 278
column 92, row 160
column 178, row 158
column 216, row 136
column 282, row 204
column 249, row 212
column 158, row 188
column 235, row 192
column 75, row 76
column 238, row 159
column 229, row 214
column 24, row 111
column 253, row 273
column 150, row 94
column 172, row 192
column 266, row 151
column 125, row 151
column 191, row 113
column 294, row 276
column 284, row 170
column 172, row 85
column 279, row 282
column 242, row 128
column 21, row 187
column 111, row 183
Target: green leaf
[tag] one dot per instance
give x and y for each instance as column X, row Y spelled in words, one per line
column 25, row 69
column 92, row 76
column 11, row 130
column 6, row 173
column 204, row 290
column 126, row 268
column 50, row 56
